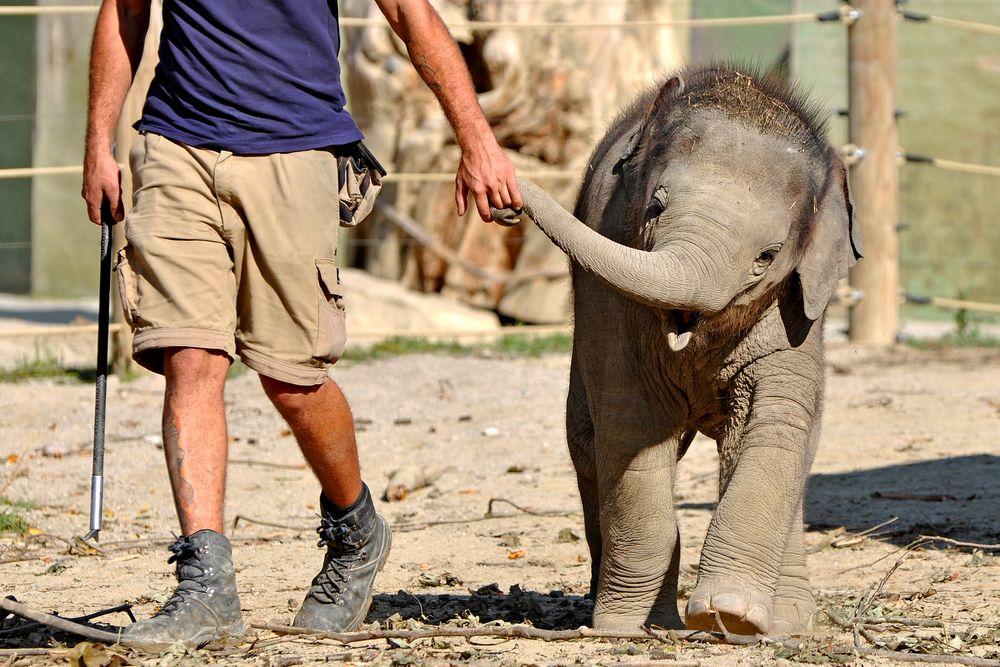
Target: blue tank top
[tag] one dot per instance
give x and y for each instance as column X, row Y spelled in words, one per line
column 249, row 76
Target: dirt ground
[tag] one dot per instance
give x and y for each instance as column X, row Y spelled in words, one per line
column 910, row 440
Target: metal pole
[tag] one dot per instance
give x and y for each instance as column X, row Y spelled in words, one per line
column 874, row 177
column 103, row 321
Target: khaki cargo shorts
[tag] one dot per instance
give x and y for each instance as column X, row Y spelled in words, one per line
column 234, row 253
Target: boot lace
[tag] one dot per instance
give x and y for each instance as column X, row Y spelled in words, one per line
column 341, row 555
column 184, row 553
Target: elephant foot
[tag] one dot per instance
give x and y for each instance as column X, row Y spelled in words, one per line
column 742, row 608
column 794, row 608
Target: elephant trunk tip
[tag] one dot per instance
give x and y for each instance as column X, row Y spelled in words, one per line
column 506, row 217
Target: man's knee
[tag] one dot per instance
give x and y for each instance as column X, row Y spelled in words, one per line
column 195, row 365
column 288, row 396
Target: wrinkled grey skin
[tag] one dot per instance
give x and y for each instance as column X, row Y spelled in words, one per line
column 712, row 227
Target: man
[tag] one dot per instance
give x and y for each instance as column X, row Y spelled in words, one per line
column 230, row 251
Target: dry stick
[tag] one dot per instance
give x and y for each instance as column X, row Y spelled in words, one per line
column 722, row 626
column 526, row 510
column 920, row 541
column 63, row 624
column 874, row 623
column 270, row 524
column 18, row 652
column 912, row 545
column 425, row 524
column 957, row 543
column 527, row 632
column 268, row 464
column 903, row 656
column 127, row 608
column 843, row 538
column 866, row 601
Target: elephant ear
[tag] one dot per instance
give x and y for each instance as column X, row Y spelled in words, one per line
column 835, row 244
column 672, row 88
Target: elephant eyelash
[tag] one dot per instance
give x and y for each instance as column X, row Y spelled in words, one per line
column 657, row 204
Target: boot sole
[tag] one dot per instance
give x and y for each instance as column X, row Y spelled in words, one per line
column 235, row 629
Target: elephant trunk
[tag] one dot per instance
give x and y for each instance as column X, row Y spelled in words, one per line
column 669, row 277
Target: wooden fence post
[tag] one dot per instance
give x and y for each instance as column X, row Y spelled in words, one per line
column 874, row 175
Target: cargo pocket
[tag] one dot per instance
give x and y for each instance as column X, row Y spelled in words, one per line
column 331, row 329
column 125, row 279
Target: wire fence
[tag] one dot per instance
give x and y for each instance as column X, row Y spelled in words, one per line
column 845, row 15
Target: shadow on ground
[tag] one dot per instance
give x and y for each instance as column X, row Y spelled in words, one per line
column 549, row 611
column 956, row 497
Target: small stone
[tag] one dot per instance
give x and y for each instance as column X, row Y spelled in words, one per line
column 54, row 450
column 153, row 439
column 491, row 431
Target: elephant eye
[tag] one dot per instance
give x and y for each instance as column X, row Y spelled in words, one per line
column 657, row 204
column 765, row 259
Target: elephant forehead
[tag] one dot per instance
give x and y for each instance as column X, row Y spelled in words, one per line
column 714, row 146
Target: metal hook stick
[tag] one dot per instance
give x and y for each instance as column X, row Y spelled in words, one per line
column 103, row 339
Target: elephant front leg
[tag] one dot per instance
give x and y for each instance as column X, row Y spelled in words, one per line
column 752, row 571
column 794, row 603
column 640, row 546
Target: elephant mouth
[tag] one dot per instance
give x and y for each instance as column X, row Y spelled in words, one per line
column 684, row 322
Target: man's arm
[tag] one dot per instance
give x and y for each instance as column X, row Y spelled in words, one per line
column 485, row 172
column 114, row 57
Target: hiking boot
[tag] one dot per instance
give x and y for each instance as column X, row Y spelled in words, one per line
column 357, row 545
column 204, row 606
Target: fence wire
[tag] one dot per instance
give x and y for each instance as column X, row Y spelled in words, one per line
column 951, row 165
column 845, row 13
column 971, row 26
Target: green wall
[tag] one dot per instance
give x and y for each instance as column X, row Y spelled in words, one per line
column 949, row 88
column 17, row 108
column 66, row 246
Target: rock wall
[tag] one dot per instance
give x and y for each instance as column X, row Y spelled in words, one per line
column 547, row 91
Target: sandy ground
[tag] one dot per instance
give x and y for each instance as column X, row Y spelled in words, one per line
column 909, row 437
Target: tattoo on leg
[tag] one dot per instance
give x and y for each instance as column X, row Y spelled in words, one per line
column 175, row 459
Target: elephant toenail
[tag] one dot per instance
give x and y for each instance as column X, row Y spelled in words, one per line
column 697, row 608
column 760, row 618
column 728, row 603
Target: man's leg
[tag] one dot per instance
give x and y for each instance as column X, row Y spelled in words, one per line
column 357, row 540
column 322, row 422
column 195, row 441
column 204, row 605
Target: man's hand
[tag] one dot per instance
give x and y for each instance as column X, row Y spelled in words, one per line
column 484, row 171
column 488, row 176
column 114, row 56
column 102, row 182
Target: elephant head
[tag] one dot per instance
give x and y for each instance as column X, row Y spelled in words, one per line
column 723, row 190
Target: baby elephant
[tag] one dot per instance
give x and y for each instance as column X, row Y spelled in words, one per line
column 711, row 230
